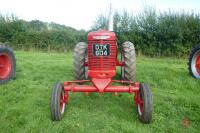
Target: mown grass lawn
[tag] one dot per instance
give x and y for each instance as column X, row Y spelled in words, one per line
column 24, row 102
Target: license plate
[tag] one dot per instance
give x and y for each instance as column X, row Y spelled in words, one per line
column 101, row 49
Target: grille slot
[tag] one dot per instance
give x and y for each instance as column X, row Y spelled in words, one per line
column 102, row 62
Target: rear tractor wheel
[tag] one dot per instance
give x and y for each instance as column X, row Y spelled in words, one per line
column 80, row 58
column 145, row 103
column 194, row 62
column 7, row 64
column 129, row 58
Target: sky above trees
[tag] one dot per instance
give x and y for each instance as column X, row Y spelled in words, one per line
column 80, row 14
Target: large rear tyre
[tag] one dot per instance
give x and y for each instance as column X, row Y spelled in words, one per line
column 145, row 104
column 129, row 58
column 80, row 58
column 58, row 102
column 7, row 64
column 194, row 62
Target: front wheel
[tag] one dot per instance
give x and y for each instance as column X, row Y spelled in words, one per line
column 58, row 102
column 145, row 103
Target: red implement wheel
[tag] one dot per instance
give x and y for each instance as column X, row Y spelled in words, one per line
column 58, row 102
column 194, row 62
column 144, row 103
column 7, row 64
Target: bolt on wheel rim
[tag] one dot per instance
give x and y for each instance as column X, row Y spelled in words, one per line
column 5, row 66
column 195, row 64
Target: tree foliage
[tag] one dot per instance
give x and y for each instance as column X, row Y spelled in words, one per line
column 39, row 35
column 157, row 34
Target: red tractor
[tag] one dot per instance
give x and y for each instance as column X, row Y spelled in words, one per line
column 7, row 64
column 95, row 62
column 194, row 62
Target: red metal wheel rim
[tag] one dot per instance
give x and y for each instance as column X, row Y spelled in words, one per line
column 195, row 64
column 198, row 63
column 5, row 66
column 140, row 104
column 62, row 102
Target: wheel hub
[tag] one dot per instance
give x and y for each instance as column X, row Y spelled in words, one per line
column 5, row 66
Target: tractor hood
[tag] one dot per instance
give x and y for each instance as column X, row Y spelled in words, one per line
column 101, row 35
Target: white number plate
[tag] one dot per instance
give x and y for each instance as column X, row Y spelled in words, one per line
column 101, row 49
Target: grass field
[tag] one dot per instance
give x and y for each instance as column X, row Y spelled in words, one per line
column 24, row 102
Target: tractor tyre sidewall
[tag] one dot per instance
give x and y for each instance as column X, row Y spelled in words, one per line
column 56, row 114
column 12, row 75
column 129, row 57
column 192, row 55
column 80, row 57
column 146, row 116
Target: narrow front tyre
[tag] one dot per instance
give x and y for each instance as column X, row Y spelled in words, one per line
column 58, row 102
column 145, row 103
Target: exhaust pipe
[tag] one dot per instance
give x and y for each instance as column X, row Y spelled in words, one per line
column 110, row 18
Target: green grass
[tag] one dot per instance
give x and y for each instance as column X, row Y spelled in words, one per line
column 24, row 102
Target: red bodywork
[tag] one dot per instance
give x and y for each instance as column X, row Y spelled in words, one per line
column 101, row 69
column 102, row 66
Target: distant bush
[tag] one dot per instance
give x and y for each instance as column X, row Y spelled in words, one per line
column 38, row 35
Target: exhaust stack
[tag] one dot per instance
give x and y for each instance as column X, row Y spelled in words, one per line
column 110, row 18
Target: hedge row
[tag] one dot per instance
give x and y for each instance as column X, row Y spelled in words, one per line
column 154, row 34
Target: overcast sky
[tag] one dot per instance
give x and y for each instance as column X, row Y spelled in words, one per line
column 80, row 14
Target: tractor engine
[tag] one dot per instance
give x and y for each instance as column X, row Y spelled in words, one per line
column 102, row 54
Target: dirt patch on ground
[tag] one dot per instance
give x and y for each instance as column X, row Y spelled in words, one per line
column 185, row 122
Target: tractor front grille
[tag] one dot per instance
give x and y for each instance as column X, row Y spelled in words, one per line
column 102, row 62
